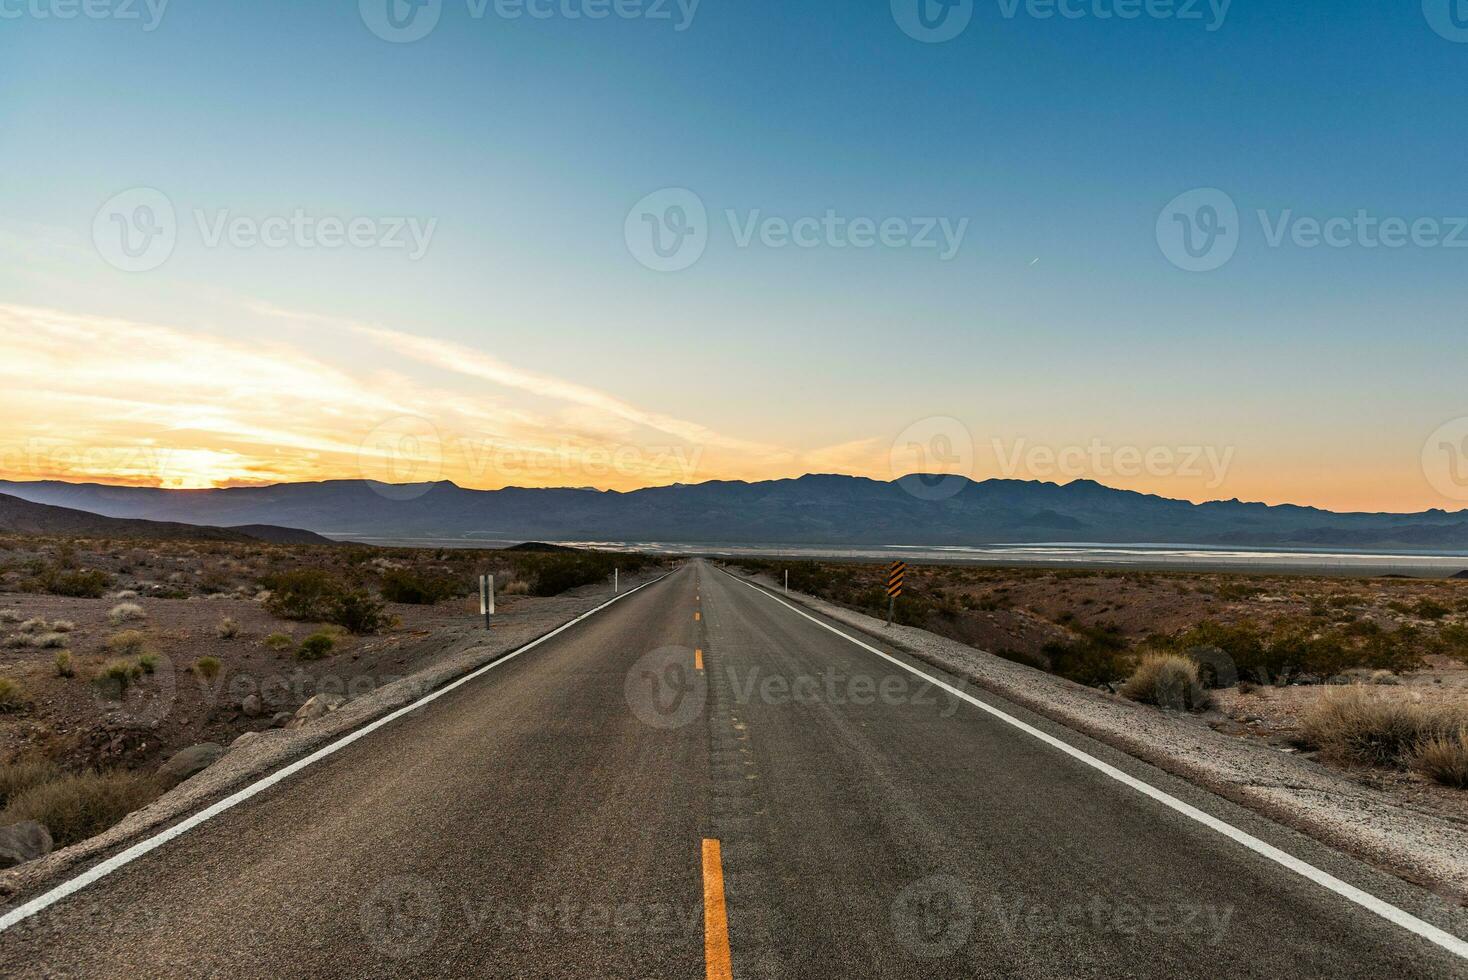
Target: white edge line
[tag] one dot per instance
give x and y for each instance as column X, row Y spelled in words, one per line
column 1366, row 900
column 122, row 858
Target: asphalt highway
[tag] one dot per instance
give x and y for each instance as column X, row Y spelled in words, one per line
column 701, row 781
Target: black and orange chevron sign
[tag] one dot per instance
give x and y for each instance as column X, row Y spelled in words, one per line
column 894, row 578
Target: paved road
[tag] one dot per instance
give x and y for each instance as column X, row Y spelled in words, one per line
column 554, row 818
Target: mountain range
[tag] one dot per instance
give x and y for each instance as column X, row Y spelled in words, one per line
column 814, row 509
column 18, row 516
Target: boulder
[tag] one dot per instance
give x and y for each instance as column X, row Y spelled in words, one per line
column 252, row 706
column 281, row 719
column 245, row 738
column 22, row 842
column 318, row 707
column 188, row 762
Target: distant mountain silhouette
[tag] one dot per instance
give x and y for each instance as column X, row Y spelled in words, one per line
column 19, row 516
column 816, row 509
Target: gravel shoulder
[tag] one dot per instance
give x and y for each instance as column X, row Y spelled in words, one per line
column 1393, row 833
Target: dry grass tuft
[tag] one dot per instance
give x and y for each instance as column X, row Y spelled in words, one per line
column 227, row 629
column 128, row 643
column 516, row 587
column 1443, row 759
column 126, row 612
column 75, row 807
column 12, row 695
column 1168, row 681
column 1354, row 725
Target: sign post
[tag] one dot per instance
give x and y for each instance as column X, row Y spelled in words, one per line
column 787, row 581
column 486, row 598
column 895, row 575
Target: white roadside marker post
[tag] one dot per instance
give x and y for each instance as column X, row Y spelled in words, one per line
column 486, row 598
column 787, row 581
column 616, row 580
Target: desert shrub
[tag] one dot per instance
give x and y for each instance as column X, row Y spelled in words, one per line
column 10, row 616
column 126, row 612
column 1355, row 725
column 1443, row 758
column 279, row 641
column 148, row 663
column 207, row 667
column 33, row 625
column 306, row 594
column 49, row 641
column 1098, row 657
column 515, row 587
column 63, row 626
column 64, row 666
column 1431, row 609
column 227, row 629
column 552, row 573
column 359, row 612
column 12, row 695
column 1167, row 680
column 128, row 643
column 21, row 774
column 419, row 588
column 77, row 584
column 75, row 807
column 316, row 646
column 116, row 676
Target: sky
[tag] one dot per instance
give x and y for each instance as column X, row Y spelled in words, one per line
column 1201, row 249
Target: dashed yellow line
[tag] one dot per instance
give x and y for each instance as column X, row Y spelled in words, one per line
column 697, row 616
column 698, row 659
column 718, row 964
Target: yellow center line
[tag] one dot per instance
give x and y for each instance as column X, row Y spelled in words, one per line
column 718, row 965
column 697, row 616
column 698, row 659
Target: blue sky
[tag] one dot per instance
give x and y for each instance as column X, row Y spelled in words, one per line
column 1060, row 321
